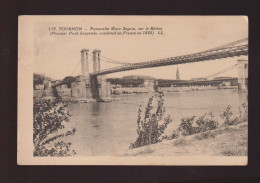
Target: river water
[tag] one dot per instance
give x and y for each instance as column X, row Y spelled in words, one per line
column 107, row 129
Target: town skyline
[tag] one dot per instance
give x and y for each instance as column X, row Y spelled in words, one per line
column 144, row 76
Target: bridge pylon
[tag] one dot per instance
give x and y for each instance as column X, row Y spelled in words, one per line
column 242, row 74
column 84, row 62
column 96, row 60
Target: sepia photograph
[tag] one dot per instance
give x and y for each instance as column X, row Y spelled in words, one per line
column 133, row 90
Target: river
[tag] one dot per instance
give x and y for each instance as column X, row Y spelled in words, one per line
column 108, row 128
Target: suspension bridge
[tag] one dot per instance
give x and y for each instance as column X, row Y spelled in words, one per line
column 93, row 80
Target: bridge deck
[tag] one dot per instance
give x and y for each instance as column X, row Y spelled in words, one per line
column 196, row 57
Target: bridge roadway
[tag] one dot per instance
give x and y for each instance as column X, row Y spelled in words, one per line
column 162, row 83
column 212, row 54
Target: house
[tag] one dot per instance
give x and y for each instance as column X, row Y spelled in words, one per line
column 39, row 86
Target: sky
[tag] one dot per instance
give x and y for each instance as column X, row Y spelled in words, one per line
column 59, row 56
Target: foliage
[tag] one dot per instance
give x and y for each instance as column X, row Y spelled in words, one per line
column 207, row 122
column 68, row 80
column 189, row 126
column 186, row 126
column 149, row 129
column 228, row 117
column 243, row 111
column 48, row 118
column 126, row 82
column 37, row 79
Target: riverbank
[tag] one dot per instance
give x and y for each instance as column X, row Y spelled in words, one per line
column 132, row 91
column 185, row 89
column 224, row 141
column 78, row 100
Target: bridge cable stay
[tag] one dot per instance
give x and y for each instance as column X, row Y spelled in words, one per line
column 75, row 68
column 111, row 60
column 229, row 44
column 54, row 86
column 217, row 73
column 222, row 71
column 114, row 61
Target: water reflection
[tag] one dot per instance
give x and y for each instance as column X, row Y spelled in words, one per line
column 95, row 122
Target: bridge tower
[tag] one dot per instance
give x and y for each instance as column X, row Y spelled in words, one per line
column 84, row 62
column 242, row 74
column 96, row 60
column 100, row 87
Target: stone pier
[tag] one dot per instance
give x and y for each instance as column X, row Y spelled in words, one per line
column 86, row 87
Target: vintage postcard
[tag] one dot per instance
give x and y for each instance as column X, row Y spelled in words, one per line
column 132, row 90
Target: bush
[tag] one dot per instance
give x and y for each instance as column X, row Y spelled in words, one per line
column 243, row 112
column 186, row 126
column 149, row 129
column 207, row 122
column 189, row 126
column 228, row 118
column 48, row 118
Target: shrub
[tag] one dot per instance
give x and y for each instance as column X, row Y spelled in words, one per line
column 207, row 122
column 149, row 129
column 175, row 134
column 228, row 117
column 186, row 126
column 243, row 111
column 48, row 118
column 189, row 126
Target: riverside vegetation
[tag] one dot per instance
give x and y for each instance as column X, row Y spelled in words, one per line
column 48, row 118
column 151, row 127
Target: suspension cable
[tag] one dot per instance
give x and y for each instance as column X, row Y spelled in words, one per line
column 229, row 44
column 222, row 71
column 75, row 68
column 114, row 61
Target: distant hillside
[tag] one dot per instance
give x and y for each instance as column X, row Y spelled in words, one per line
column 138, row 76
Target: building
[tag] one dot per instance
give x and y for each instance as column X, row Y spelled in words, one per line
column 39, row 86
column 198, row 79
column 222, row 78
column 178, row 74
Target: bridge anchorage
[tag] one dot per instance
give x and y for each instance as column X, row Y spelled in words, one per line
column 94, row 85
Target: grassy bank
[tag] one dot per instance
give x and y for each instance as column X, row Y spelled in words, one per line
column 224, row 141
